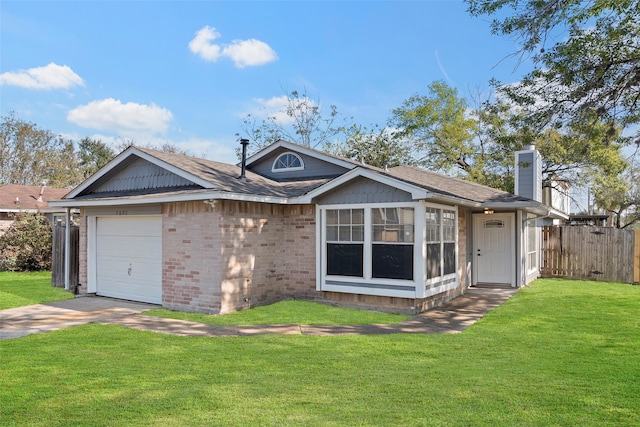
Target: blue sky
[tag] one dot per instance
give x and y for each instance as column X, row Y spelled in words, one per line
column 187, row 72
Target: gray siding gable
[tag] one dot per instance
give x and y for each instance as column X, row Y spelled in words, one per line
column 139, row 174
column 313, row 167
column 364, row 190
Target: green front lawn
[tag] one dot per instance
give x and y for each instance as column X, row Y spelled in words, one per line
column 557, row 353
column 18, row 289
column 287, row 312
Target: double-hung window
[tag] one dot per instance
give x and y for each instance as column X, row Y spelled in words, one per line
column 345, row 242
column 384, row 250
column 392, row 243
column 441, row 242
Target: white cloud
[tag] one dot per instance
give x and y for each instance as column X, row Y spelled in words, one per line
column 49, row 77
column 113, row 115
column 249, row 53
column 201, row 44
column 243, row 53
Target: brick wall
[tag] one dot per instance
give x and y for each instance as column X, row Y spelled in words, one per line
column 191, row 255
column 268, row 253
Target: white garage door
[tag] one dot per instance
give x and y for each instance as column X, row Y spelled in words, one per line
column 129, row 258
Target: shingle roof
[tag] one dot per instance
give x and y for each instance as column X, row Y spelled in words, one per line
column 28, row 196
column 449, row 186
column 225, row 177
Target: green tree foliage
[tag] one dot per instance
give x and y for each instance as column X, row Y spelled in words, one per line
column 437, row 128
column 30, row 155
column 93, row 154
column 575, row 153
column 480, row 143
column 376, row 147
column 26, row 245
column 586, row 55
column 302, row 120
column 620, row 196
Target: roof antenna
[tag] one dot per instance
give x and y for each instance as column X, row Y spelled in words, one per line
column 244, row 143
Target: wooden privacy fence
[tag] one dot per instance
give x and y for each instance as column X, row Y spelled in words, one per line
column 58, row 257
column 591, row 253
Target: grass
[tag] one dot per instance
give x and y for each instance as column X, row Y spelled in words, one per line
column 19, row 289
column 557, row 353
column 287, row 312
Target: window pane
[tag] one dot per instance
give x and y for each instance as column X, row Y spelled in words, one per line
column 376, row 216
column 357, row 233
column 332, row 217
column 344, row 233
column 407, row 235
column 449, row 258
column 433, row 260
column 433, row 216
column 332, row 232
column 344, row 216
column 406, row 215
column 391, row 216
column 357, row 216
column 378, row 231
column 345, row 259
column 392, row 261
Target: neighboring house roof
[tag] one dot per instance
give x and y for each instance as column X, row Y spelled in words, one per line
column 214, row 180
column 15, row 197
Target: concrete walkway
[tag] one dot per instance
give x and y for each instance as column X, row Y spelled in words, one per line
column 452, row 317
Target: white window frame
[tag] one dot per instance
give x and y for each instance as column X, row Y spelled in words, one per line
column 529, row 254
column 444, row 282
column 287, row 169
column 369, row 285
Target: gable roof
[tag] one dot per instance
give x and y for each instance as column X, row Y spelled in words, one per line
column 29, row 197
column 290, row 146
column 210, row 179
column 215, row 180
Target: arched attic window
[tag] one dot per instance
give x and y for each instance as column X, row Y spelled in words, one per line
column 287, row 162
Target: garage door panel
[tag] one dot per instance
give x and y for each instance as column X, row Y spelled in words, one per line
column 129, row 258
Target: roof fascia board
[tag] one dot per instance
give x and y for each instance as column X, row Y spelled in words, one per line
column 301, row 149
column 207, row 195
column 417, row 193
column 133, row 151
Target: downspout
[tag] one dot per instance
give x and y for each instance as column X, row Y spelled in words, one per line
column 67, row 248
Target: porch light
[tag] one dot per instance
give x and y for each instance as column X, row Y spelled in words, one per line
column 488, row 211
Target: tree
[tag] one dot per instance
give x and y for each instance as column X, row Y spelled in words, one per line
column 480, row 142
column 437, row 128
column 26, row 245
column 301, row 120
column 376, row 147
column 586, row 55
column 30, row 155
column 93, row 154
column 621, row 196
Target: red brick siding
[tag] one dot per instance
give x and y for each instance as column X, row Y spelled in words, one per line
column 191, row 257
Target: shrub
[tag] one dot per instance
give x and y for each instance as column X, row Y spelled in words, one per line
column 26, row 246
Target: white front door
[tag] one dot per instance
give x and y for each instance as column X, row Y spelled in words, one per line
column 493, row 249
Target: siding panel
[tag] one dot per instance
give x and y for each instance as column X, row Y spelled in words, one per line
column 364, row 190
column 140, row 175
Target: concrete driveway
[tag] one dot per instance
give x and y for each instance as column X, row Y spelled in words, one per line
column 33, row 319
column 452, row 317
